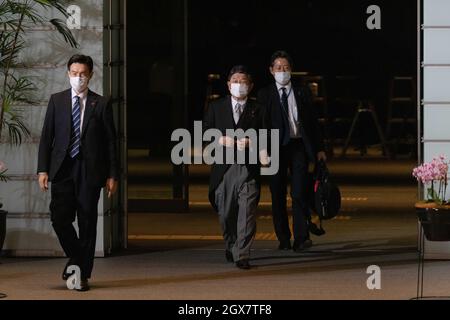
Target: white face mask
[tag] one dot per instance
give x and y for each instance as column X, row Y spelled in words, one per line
column 282, row 78
column 239, row 90
column 79, row 84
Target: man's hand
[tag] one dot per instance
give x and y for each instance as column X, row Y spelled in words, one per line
column 226, row 141
column 264, row 158
column 243, row 143
column 321, row 156
column 43, row 181
column 111, row 186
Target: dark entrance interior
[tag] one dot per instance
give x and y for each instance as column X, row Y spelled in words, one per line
column 179, row 51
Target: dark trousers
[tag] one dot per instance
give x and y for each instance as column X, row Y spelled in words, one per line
column 72, row 197
column 292, row 156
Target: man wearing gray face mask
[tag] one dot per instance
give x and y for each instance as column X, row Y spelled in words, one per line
column 234, row 187
column 289, row 110
column 77, row 153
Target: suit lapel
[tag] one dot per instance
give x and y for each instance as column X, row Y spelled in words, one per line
column 246, row 110
column 91, row 101
column 276, row 97
column 67, row 114
column 229, row 114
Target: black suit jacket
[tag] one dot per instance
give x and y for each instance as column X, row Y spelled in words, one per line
column 98, row 137
column 220, row 116
column 269, row 98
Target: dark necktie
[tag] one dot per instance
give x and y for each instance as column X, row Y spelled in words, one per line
column 286, row 130
column 284, row 100
column 74, row 148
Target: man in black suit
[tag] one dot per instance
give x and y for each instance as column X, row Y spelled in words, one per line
column 235, row 187
column 289, row 110
column 77, row 153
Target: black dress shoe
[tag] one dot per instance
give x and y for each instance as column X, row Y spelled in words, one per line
column 312, row 227
column 229, row 256
column 300, row 246
column 243, row 264
column 84, row 285
column 285, row 245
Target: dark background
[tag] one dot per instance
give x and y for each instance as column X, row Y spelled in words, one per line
column 324, row 37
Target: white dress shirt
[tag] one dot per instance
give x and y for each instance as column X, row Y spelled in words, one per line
column 83, row 99
column 294, row 124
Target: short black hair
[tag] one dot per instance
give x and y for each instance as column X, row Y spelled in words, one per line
column 239, row 69
column 80, row 58
column 281, row 54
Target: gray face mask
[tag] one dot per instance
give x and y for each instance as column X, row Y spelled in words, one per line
column 282, row 78
column 79, row 84
column 239, row 90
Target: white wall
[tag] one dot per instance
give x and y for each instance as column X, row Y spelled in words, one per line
column 436, row 93
column 29, row 231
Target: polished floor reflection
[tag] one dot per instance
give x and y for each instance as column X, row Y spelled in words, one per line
column 181, row 256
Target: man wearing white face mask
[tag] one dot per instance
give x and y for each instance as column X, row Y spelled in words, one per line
column 234, row 188
column 77, row 153
column 289, row 110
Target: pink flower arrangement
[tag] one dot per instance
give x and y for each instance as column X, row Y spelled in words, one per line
column 431, row 172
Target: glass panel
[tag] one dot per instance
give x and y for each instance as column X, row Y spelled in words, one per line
column 436, row 12
column 433, row 149
column 436, row 80
column 155, row 52
column 435, row 122
column 437, row 46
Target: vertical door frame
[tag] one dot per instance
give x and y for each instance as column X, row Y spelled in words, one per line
column 115, row 87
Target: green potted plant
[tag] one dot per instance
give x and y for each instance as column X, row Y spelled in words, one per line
column 434, row 211
column 17, row 18
column 3, row 213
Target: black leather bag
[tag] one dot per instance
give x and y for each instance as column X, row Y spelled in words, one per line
column 324, row 197
column 327, row 197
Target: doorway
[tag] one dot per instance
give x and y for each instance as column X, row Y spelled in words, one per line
column 179, row 53
column 157, row 104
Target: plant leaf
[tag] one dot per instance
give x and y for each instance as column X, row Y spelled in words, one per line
column 432, row 195
column 62, row 28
